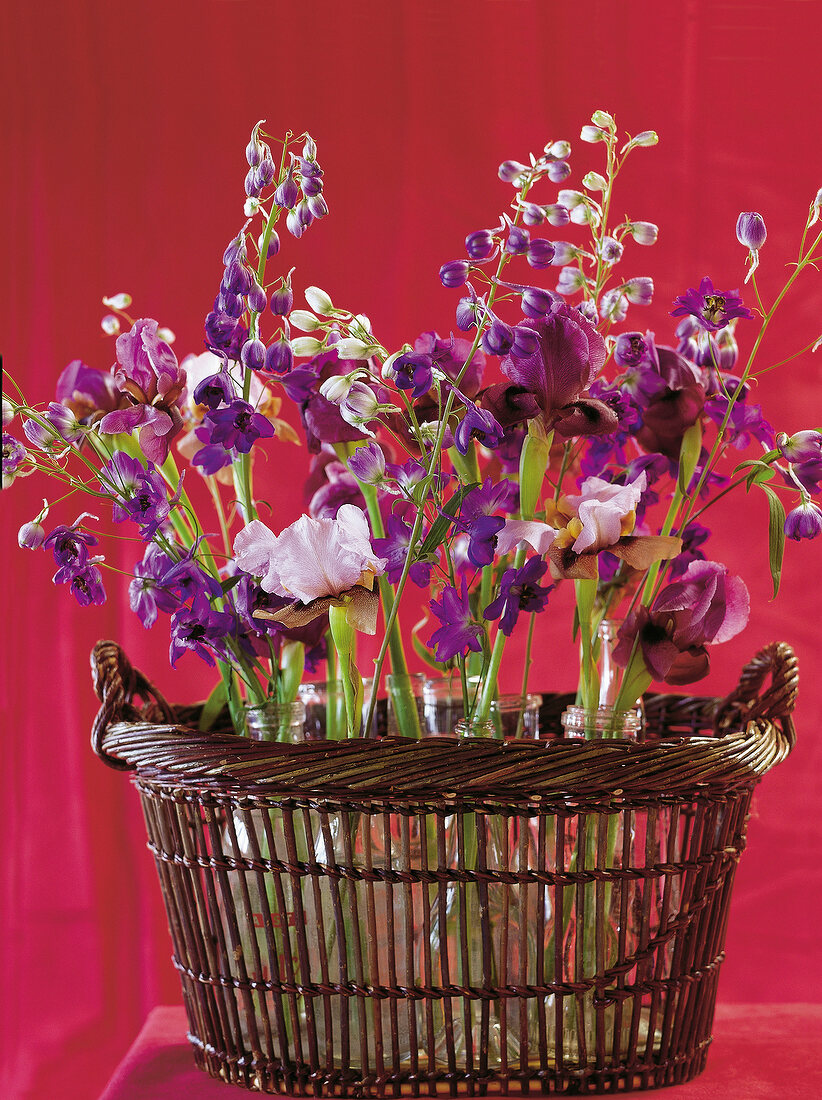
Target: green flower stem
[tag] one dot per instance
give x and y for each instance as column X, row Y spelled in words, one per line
column 344, row 637
column 214, row 489
column 586, row 591
column 465, row 466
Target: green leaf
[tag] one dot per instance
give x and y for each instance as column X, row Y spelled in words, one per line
column 439, row 528
column 212, row 706
column 229, row 582
column 689, row 455
column 776, row 535
column 422, row 650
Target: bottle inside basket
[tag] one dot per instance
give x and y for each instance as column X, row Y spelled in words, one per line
column 605, row 722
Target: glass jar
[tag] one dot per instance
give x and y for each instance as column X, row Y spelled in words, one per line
column 443, row 711
column 580, row 724
column 272, row 721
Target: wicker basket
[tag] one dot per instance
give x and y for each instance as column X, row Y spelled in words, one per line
column 393, row 917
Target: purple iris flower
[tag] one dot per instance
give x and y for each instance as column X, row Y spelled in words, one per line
column 146, row 593
column 520, row 590
column 202, row 629
column 459, row 632
column 713, row 309
column 478, row 424
column 394, row 549
column 148, row 373
column 87, row 392
column 87, row 586
column 704, row 606
column 237, row 427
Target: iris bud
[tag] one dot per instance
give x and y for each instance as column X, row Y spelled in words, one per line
column 252, row 354
column 454, row 273
column 540, row 253
column 750, row 230
column 480, row 245
column 30, row 536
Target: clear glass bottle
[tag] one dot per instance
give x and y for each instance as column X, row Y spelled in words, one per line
column 272, row 721
column 443, row 712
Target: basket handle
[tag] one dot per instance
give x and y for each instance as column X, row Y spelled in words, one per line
column 748, row 701
column 118, row 684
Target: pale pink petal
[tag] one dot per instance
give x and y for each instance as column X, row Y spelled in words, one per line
column 539, row 536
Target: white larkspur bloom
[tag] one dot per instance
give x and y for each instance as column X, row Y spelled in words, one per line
column 311, row 558
column 604, row 510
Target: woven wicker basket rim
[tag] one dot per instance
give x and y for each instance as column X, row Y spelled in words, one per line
column 751, row 731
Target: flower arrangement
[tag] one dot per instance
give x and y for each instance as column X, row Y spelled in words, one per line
column 548, row 444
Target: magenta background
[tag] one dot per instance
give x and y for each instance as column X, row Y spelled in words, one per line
column 125, row 126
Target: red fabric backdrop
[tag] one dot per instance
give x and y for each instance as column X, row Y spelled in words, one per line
column 126, row 126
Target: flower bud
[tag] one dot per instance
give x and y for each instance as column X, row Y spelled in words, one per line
column 30, row 536
column 251, row 184
column 645, row 138
column 592, row 134
column 640, row 290
column 558, row 171
column 388, row 371
column 588, row 310
column 630, row 349
column 570, row 280
column 750, row 230
column 564, row 253
column 255, row 150
column 335, row 389
column 593, row 181
column 287, row 192
column 273, row 246
column 235, row 251
column 511, row 170
column 644, row 232
column 282, row 300
column 466, row 313
column 498, row 339
column 8, row 412
column 526, row 341
column 118, row 301
column 257, row 300
column 279, row 358
column 305, row 321
column 571, row 199
column 584, row 215
column 803, row 446
column 319, row 301
column 728, row 348
column 532, row 214
column 804, row 522
column 613, row 305
column 310, row 148
column 816, row 209
column 311, row 186
column 110, row 324
column 559, row 150
column 306, row 347
column 480, row 244
column 540, row 253
column 537, row 303
column 367, row 464
column 359, row 405
column 604, row 120
column 232, row 304
column 517, row 240
column 454, row 273
column 237, row 278
column 252, row 354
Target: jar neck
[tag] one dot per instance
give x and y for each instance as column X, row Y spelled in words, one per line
column 602, row 723
column 272, row 721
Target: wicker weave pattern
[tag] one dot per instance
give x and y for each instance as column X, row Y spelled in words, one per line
column 393, row 917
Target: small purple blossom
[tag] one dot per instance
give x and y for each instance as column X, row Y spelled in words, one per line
column 803, row 446
column 750, row 230
column 202, row 629
column 454, row 273
column 139, row 494
column 477, row 424
column 459, row 632
column 520, row 590
column 70, row 544
column 87, row 586
column 498, row 338
column 394, row 550
column 414, row 371
column 367, row 464
column 146, row 592
column 237, row 427
column 480, row 244
column 63, row 427
column 713, row 309
column 31, row 536
column 14, row 457
column 215, row 390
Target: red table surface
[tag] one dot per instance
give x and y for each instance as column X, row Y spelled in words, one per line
column 760, row 1052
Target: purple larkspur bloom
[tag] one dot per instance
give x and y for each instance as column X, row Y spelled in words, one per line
column 14, row 456
column 237, row 427
column 569, row 356
column 215, row 390
column 450, row 356
column 367, row 464
column 189, row 580
column 139, row 494
column 408, row 475
column 713, row 309
column 694, row 536
column 225, row 332
column 478, row 519
column 479, row 424
column 745, row 423
column 703, row 607
column 70, row 544
column 146, row 592
column 148, row 373
column 804, row 522
column 519, row 590
column 86, row 585
column 459, row 632
column 394, row 550
column 200, row 628
column 413, row 371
